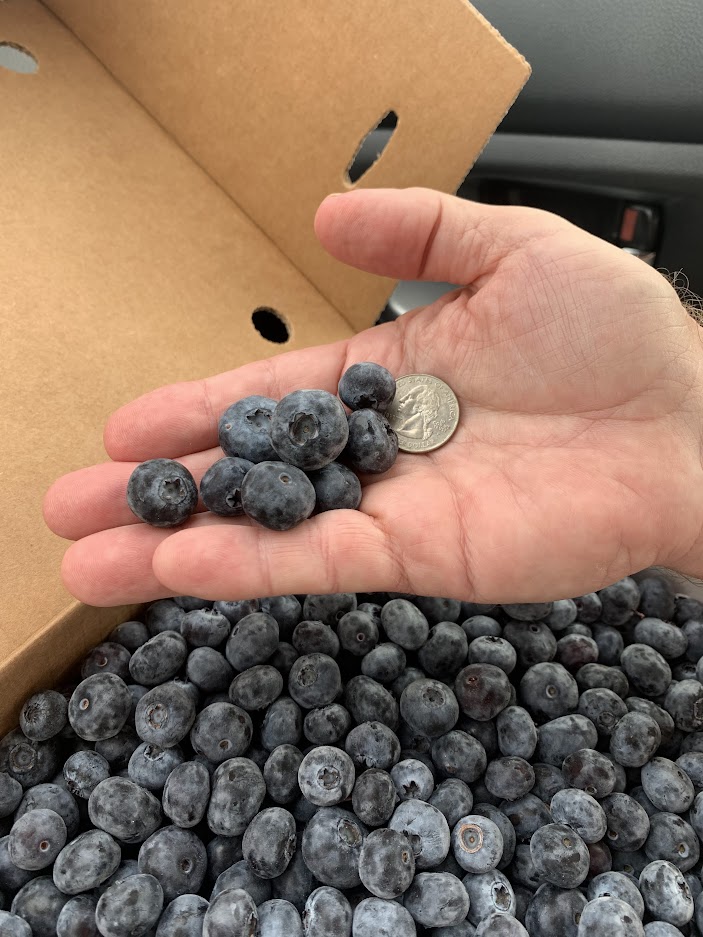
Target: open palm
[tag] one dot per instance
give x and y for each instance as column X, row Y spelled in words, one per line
column 577, row 458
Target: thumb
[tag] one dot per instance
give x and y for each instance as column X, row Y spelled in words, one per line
column 421, row 234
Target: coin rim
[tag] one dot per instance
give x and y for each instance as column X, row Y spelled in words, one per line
column 438, row 445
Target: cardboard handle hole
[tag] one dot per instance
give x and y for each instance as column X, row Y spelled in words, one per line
column 270, row 325
column 371, row 147
column 16, row 58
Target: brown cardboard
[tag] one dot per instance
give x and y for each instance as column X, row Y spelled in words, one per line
column 148, row 209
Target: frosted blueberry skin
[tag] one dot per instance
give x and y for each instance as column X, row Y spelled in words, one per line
column 244, row 429
column 309, row 428
column 221, row 486
column 277, row 495
column 162, row 493
column 367, row 386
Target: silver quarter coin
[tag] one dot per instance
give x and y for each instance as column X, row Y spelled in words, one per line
column 424, row 412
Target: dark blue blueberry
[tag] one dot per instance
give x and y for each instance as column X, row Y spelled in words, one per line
column 309, row 428
column 36, row 839
column 256, row 688
column 162, row 492
column 269, row 842
column 430, row 707
column 576, row 650
column 277, row 495
column 184, row 917
column 603, row 707
column 209, row 670
column 253, row 640
column 482, row 691
column 534, row 611
column 498, row 924
column 404, row 624
column 283, row 724
column 666, row 894
column 646, row 669
column 221, row 486
column 86, row 862
column 297, row 882
column 437, row 899
column 581, row 812
column 336, row 488
column 118, row 750
column 548, row 780
column 372, row 445
column 610, row 644
column 413, row 780
column 610, row 916
column 459, row 755
column 237, row 609
column 164, row 715
column 490, row 649
column 667, row 785
column 617, row 885
column 564, row 613
column 221, row 731
column 564, row 735
column 284, row 657
column 598, row 675
column 656, row 598
column 692, row 764
column 151, row 765
column 427, row 830
column 222, row 853
column 672, row 838
column 315, row 637
column 51, row 797
column 279, row 918
column 367, row 385
column 628, row 823
column 99, row 707
column 241, row 875
column 534, row 642
column 488, row 892
column 159, row 659
column 481, row 625
column 205, row 627
column 684, row 703
column 445, row 650
column 13, row 926
column 177, row 860
column 326, row 776
column 438, row 608
column 668, row 639
column 548, row 690
column 238, row 790
column 314, row 681
column 231, row 914
column 377, row 917
column 331, row 847
column 374, row 797
column 39, row 903
column 244, row 429
column 526, row 814
column 281, row 774
column 186, row 794
column 107, row 657
column 477, row 843
column 189, row 603
column 505, row 825
column 634, row 739
column 328, row 608
column 163, row 615
column 125, row 810
column 516, row 732
column 10, row 794
column 590, row 771
column 559, row 855
column 509, row 778
column 130, row 908
column 357, row 632
column 588, row 608
column 368, row 700
column 327, row 911
column 385, row 662
column 77, row 918
column 619, row 601
column 43, row 716
column 287, row 611
column 408, row 676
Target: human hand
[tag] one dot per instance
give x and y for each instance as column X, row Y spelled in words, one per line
column 577, row 459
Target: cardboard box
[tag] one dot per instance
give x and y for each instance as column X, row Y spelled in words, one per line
column 160, row 171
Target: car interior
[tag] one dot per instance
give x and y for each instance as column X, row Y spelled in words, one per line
column 608, row 131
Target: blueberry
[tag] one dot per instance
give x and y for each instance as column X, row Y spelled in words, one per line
column 326, row 776
column 186, row 794
column 426, row 829
column 445, row 650
column 314, row 681
column 666, row 894
column 667, row 786
column 634, row 740
column 576, row 650
column 176, row 858
column 412, row 779
column 118, row 750
column 222, row 853
column 386, row 863
column 221, row 731
column 661, row 929
column 684, row 703
column 36, row 839
column 581, row 812
column 617, row 885
column 376, row 917
column 516, row 732
column 374, row 797
column 190, row 602
column 209, row 670
column 603, row 707
column 482, row 691
column 372, row 444
column 590, row 771
column 564, row 735
column 672, row 838
column 86, row 862
column 44, row 715
column 10, row 794
column 564, row 613
column 184, row 917
column 241, row 875
column 619, row 601
column 384, row 663
column 315, row 637
column 610, row 644
column 588, row 608
column 284, row 657
column 107, row 657
column 327, row 911
column 668, row 639
column 357, row 632
column 162, row 492
column 336, row 488
column 367, row 385
column 277, row 495
column 159, row 659
column 692, row 764
column 408, row 676
column 609, row 916
column 164, row 715
column 281, row 774
column 331, row 847
column 548, row 691
column 656, row 598
column 437, row 899
column 559, row 855
column 534, row 643
column 309, row 428
column 231, row 914
column 51, row 797
column 11, row 877
column 13, row 926
column 253, row 640
column 205, row 627
column 256, row 688
column 151, row 765
column 509, row 778
column 286, row 609
column 221, row 486
column 478, row 626
column 628, row 823
column 83, row 771
column 488, row 892
column 548, row 780
column 535, row 611
column 500, row 925
column 646, row 669
column 244, row 429
column 368, row 700
column 297, row 882
column 404, row 624
column 490, row 649
column 283, row 724
column 163, row 615
column 328, row 608
column 459, row 755
column 279, row 918
column 526, row 814
column 432, row 709
column 238, row 790
column 39, row 903
column 125, row 810
column 477, row 843
column 77, row 918
column 99, row 707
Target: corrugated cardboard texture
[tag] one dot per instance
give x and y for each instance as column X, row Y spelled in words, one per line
column 273, row 99
column 125, row 263
column 122, row 267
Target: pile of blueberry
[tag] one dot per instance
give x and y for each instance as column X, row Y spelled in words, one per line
column 280, row 458
column 368, row 765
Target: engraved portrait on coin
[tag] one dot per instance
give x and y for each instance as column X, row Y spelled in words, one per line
column 424, row 413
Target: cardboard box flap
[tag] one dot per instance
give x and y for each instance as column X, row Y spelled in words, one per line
column 123, row 267
column 273, row 99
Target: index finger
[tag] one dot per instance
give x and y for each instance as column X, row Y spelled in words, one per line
column 180, row 419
